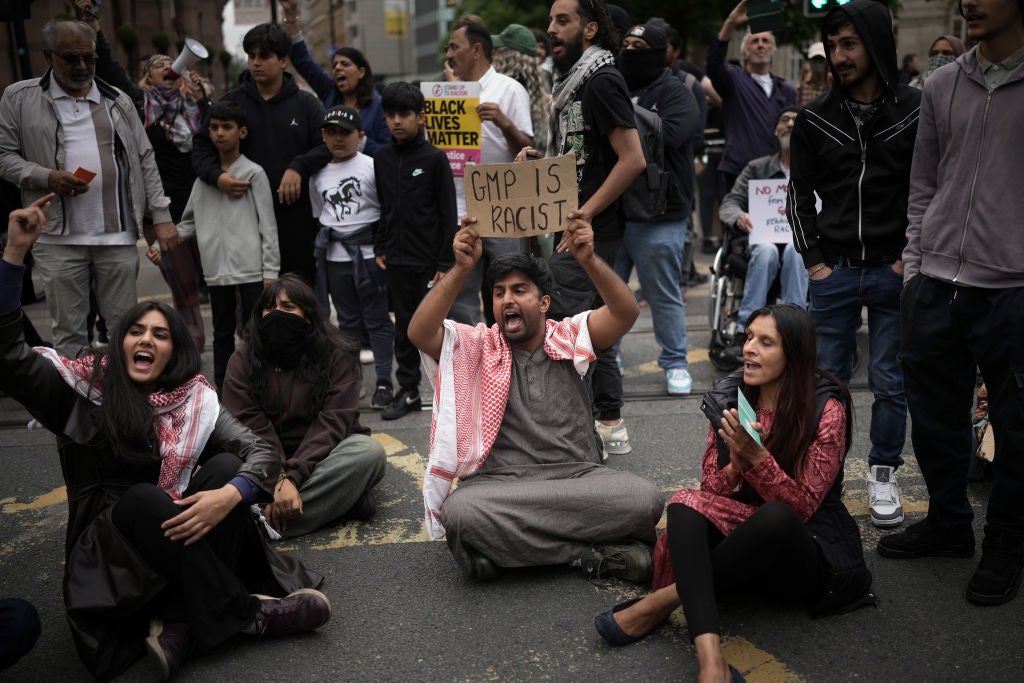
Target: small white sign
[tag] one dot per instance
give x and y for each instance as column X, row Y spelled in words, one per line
column 766, row 200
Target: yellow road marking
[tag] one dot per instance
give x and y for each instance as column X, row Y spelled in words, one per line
column 756, row 665
column 58, row 495
column 695, row 356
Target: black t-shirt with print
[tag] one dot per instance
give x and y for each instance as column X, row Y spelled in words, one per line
column 605, row 105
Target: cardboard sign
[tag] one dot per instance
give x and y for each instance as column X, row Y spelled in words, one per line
column 766, row 200
column 452, row 122
column 522, row 199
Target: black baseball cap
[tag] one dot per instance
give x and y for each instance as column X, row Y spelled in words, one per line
column 345, row 117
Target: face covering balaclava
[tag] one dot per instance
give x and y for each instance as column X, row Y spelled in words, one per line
column 640, row 67
column 284, row 335
column 937, row 60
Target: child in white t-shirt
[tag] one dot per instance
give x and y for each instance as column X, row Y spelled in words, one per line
column 344, row 198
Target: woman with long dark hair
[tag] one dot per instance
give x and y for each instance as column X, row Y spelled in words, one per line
column 350, row 81
column 767, row 519
column 160, row 479
column 296, row 383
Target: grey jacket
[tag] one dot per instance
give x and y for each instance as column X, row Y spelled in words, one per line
column 966, row 206
column 32, row 145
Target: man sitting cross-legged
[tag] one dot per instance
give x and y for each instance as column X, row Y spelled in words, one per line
column 512, row 420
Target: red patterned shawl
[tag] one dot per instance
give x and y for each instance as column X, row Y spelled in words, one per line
column 183, row 418
column 471, row 382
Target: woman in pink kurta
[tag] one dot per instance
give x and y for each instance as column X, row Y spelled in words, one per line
column 767, row 519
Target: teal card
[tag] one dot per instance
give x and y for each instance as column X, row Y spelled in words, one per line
column 747, row 416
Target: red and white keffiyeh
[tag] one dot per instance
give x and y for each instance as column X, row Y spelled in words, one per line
column 183, row 419
column 471, row 381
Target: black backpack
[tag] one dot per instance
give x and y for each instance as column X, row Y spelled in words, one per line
column 647, row 197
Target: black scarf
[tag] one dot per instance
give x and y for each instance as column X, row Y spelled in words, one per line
column 284, row 335
column 641, row 67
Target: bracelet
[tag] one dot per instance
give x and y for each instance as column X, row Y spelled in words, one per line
column 293, row 20
column 817, row 270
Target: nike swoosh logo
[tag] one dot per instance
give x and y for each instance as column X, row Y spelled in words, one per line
column 418, row 171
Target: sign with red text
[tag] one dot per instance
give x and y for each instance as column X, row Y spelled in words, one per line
column 522, row 199
column 452, row 122
column 766, row 202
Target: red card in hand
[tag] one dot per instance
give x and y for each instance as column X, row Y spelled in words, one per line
column 84, row 174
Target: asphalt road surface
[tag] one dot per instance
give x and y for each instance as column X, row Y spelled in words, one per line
column 404, row 612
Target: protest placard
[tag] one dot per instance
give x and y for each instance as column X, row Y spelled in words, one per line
column 452, row 122
column 766, row 200
column 521, row 199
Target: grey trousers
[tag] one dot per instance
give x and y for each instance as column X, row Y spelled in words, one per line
column 351, row 469
column 67, row 272
column 547, row 514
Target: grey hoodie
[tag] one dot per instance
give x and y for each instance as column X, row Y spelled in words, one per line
column 966, row 208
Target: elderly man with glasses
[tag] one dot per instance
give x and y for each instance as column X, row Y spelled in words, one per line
column 73, row 135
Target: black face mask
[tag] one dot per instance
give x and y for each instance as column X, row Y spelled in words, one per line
column 641, row 67
column 284, row 336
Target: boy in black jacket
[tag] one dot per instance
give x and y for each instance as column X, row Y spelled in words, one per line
column 284, row 138
column 413, row 239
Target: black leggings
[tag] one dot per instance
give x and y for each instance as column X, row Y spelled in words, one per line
column 771, row 553
column 203, row 589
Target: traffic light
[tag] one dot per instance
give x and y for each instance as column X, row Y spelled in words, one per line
column 819, row 8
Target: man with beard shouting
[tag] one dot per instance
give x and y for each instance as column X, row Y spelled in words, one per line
column 512, row 420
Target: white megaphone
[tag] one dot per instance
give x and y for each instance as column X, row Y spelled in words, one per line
column 190, row 54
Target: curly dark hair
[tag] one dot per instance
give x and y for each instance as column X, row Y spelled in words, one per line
column 534, row 268
column 597, row 11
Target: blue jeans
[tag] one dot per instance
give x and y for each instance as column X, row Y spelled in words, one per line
column 657, row 250
column 836, row 303
column 761, row 271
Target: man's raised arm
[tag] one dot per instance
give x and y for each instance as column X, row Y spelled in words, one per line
column 426, row 329
column 608, row 323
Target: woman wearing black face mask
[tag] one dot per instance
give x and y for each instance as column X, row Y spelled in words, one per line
column 296, row 383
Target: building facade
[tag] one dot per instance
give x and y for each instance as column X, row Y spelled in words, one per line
column 199, row 19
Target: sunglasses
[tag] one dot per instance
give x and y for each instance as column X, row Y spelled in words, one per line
column 72, row 58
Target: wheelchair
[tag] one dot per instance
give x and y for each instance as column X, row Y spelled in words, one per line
column 728, row 272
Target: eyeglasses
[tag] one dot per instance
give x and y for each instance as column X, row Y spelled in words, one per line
column 72, row 58
column 787, row 118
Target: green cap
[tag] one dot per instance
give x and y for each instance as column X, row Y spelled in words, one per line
column 517, row 37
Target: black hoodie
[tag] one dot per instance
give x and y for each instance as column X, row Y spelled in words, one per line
column 861, row 176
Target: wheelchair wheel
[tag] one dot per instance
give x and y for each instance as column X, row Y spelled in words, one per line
column 723, row 311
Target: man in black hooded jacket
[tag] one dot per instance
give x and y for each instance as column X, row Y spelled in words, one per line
column 852, row 147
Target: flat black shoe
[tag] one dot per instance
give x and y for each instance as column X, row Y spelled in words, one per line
column 610, row 630
column 921, row 539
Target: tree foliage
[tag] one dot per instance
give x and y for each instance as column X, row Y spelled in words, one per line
column 697, row 20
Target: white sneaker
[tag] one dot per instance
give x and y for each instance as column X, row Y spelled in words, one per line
column 365, row 356
column 678, row 382
column 614, row 438
column 884, row 497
